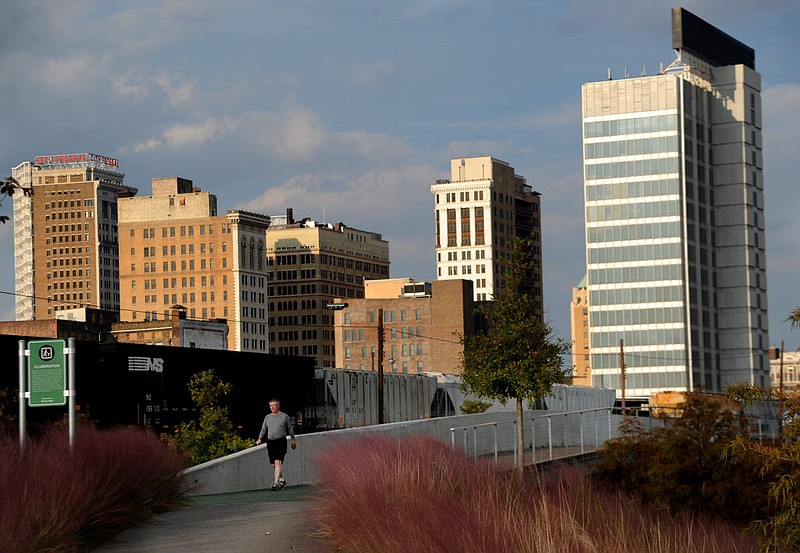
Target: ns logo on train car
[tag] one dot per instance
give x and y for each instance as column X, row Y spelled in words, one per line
column 146, row 364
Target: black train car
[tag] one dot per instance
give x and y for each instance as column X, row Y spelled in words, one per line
column 147, row 385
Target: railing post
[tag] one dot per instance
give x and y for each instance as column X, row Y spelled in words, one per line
column 550, row 435
column 474, row 441
column 533, row 440
column 465, row 440
column 609, row 424
column 515, row 442
column 580, row 422
column 452, row 437
column 566, row 423
column 495, row 444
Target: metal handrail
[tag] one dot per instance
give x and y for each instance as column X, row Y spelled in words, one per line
column 548, row 416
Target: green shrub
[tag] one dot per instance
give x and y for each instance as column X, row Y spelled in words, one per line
column 212, row 435
column 682, row 466
column 474, row 406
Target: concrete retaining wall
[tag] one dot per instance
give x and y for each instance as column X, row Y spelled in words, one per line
column 250, row 470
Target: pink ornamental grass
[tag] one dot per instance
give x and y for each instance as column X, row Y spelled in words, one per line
column 417, row 495
column 56, row 499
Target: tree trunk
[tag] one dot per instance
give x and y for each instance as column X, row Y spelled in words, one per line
column 520, row 439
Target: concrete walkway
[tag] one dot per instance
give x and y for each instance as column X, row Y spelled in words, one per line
column 247, row 522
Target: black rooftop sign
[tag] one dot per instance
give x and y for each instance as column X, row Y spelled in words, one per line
column 701, row 39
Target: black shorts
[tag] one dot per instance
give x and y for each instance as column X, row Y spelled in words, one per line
column 276, row 450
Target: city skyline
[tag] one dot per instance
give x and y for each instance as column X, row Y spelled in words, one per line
column 352, row 112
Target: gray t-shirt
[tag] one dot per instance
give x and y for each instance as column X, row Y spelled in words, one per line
column 276, row 427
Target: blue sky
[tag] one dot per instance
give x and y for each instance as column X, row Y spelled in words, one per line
column 349, row 110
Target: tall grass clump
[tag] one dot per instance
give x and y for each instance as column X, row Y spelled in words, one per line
column 59, row 500
column 418, row 494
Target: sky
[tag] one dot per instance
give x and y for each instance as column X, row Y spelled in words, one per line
column 349, row 110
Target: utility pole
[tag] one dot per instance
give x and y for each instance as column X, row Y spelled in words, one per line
column 622, row 371
column 780, row 411
column 380, row 366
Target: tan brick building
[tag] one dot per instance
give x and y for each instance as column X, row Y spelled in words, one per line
column 579, row 323
column 65, row 234
column 310, row 264
column 479, row 212
column 178, row 251
column 422, row 323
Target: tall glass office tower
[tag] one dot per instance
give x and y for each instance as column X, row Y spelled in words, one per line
column 674, row 220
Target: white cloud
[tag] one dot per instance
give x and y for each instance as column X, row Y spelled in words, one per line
column 374, row 145
column 295, row 134
column 178, row 92
column 184, row 134
column 370, row 73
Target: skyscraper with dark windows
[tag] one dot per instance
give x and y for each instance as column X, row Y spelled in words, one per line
column 674, row 212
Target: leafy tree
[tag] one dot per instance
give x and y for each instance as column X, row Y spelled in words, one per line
column 7, row 188
column 516, row 356
column 778, row 464
column 473, row 406
column 213, row 435
column 794, row 318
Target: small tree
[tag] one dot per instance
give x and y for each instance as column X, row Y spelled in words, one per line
column 212, row 436
column 778, row 464
column 7, row 188
column 517, row 355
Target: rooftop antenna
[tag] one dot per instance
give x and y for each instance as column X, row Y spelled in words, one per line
column 644, row 72
column 626, row 75
column 610, row 78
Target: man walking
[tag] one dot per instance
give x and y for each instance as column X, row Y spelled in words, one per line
column 276, row 427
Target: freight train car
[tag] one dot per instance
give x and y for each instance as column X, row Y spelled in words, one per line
column 347, row 399
column 147, row 385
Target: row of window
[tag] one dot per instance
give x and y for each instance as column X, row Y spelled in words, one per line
column 674, row 380
column 636, row 168
column 635, row 125
column 625, row 296
column 631, row 189
column 640, row 146
column 647, row 252
column 406, row 350
column 639, row 210
column 403, row 333
column 624, row 232
column 620, row 317
column 649, row 273
column 184, row 230
column 663, row 358
column 643, row 337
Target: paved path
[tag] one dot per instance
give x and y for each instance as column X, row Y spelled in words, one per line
column 249, row 522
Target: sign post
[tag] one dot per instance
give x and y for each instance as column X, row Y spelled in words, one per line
column 47, row 379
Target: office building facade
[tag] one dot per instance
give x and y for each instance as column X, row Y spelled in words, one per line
column 422, row 322
column 66, row 251
column 309, row 264
column 178, row 252
column 579, row 325
column 479, row 212
column 674, row 213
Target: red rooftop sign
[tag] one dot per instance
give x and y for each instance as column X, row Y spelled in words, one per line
column 75, row 158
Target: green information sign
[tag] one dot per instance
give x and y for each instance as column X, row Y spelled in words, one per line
column 47, row 373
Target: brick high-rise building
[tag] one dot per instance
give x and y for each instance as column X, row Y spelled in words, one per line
column 421, row 322
column 66, row 253
column 310, row 264
column 177, row 251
